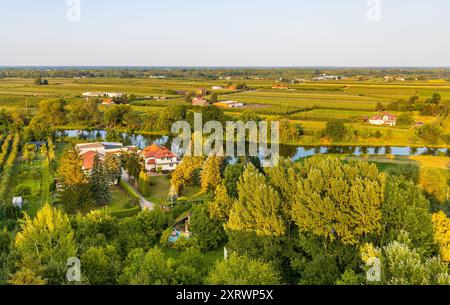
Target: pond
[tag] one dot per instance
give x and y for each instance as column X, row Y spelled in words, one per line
column 289, row 151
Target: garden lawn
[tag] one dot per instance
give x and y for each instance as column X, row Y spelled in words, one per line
column 159, row 189
column 120, row 200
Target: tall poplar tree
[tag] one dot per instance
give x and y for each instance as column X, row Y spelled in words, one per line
column 211, row 173
column 258, row 208
column 335, row 200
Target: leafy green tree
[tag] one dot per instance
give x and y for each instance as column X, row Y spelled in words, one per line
column 241, row 270
column 133, row 163
column 211, row 175
column 208, row 232
column 336, row 130
column 402, row 265
column 76, row 194
column 232, row 173
column 95, row 229
column 431, row 133
column 44, row 244
column 5, row 121
column 186, row 173
column 85, row 112
column 435, row 99
column 26, row 276
column 379, row 107
column 101, row 266
column 336, row 200
column 258, row 208
column 190, row 268
column 441, row 224
column 405, row 119
column 141, row 231
column 318, row 261
column 407, row 171
column 114, row 116
column 405, row 209
column 151, row 268
column 171, row 115
column 132, row 119
column 219, row 208
column 39, row 81
column 53, row 111
column 434, row 182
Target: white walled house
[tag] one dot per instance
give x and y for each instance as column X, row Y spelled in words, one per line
column 159, row 158
column 383, row 119
column 102, row 94
column 88, row 151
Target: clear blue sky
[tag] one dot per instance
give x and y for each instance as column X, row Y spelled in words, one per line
column 225, row 33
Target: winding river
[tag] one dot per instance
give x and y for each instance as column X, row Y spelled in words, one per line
column 289, row 151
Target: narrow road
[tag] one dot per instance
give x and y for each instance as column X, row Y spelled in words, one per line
column 144, row 203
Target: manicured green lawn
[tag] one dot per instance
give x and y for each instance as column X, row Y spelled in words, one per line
column 193, row 192
column 120, row 200
column 159, row 189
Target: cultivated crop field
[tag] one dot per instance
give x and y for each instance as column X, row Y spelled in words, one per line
column 311, row 103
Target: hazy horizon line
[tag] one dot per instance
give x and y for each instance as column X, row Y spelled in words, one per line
column 221, row 67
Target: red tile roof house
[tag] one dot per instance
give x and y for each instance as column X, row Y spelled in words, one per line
column 108, row 101
column 159, row 158
column 88, row 151
column 88, row 160
column 383, row 119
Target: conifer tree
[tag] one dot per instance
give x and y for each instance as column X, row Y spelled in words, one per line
column 99, row 183
column 76, row 194
column 144, row 183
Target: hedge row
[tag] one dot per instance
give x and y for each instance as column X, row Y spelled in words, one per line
column 5, row 149
column 135, row 199
column 125, row 213
column 8, row 169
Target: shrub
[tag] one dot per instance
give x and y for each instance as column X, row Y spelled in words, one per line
column 22, row 190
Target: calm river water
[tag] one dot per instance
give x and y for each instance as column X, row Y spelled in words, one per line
column 288, row 151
